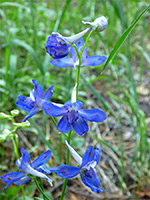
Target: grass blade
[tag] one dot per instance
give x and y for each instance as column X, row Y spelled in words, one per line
column 21, row 43
column 123, row 37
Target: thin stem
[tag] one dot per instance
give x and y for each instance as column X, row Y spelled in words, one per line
column 68, row 158
column 15, row 143
column 53, row 121
column 79, row 57
column 40, row 189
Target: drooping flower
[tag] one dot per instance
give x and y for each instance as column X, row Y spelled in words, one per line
column 73, row 115
column 86, row 168
column 58, row 46
column 33, row 104
column 73, row 60
column 36, row 168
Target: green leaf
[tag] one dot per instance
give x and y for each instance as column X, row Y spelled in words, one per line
column 123, row 37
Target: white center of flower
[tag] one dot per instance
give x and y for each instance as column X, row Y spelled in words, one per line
column 89, row 165
column 32, row 95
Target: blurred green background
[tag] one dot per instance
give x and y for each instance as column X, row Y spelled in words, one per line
column 122, row 90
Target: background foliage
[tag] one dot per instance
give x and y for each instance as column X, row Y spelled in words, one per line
column 122, row 90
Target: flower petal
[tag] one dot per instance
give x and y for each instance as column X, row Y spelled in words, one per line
column 11, row 177
column 63, row 62
column 79, row 43
column 63, row 125
column 26, row 167
column 25, row 103
column 97, row 155
column 65, row 171
column 40, row 160
column 93, row 115
column 80, row 126
column 88, row 156
column 48, row 94
column 77, row 105
column 94, row 61
column 76, row 156
column 91, row 180
column 22, row 181
column 38, row 90
column 31, row 113
column 52, row 110
column 43, row 169
column 25, row 155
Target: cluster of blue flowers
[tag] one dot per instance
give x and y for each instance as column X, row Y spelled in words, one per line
column 72, row 116
column 38, row 168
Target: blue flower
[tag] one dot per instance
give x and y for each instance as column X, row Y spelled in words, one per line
column 34, row 103
column 57, row 46
column 36, row 168
column 86, row 170
column 73, row 61
column 73, row 116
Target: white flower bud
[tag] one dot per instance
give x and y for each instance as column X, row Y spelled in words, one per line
column 99, row 24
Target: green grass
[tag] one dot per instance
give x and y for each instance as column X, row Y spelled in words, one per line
column 25, row 26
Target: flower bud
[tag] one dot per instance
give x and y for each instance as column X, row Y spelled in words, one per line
column 99, row 24
column 14, row 112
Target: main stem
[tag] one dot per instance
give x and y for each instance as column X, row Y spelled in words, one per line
column 79, row 55
column 68, row 158
column 80, row 61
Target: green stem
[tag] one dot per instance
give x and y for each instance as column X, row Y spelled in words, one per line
column 79, row 66
column 40, row 189
column 15, row 143
column 68, row 158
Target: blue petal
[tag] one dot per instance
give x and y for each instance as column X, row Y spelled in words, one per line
column 25, row 155
column 88, row 156
column 97, row 155
column 79, row 43
column 25, row 103
column 43, row 169
column 48, row 93
column 77, row 105
column 80, row 126
column 93, row 115
column 91, row 180
column 31, row 113
column 11, row 177
column 68, row 105
column 22, row 181
column 52, row 110
column 65, row 171
column 38, row 90
column 73, row 54
column 40, row 160
column 63, row 125
column 63, row 62
column 84, row 55
column 94, row 61
column 60, row 52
